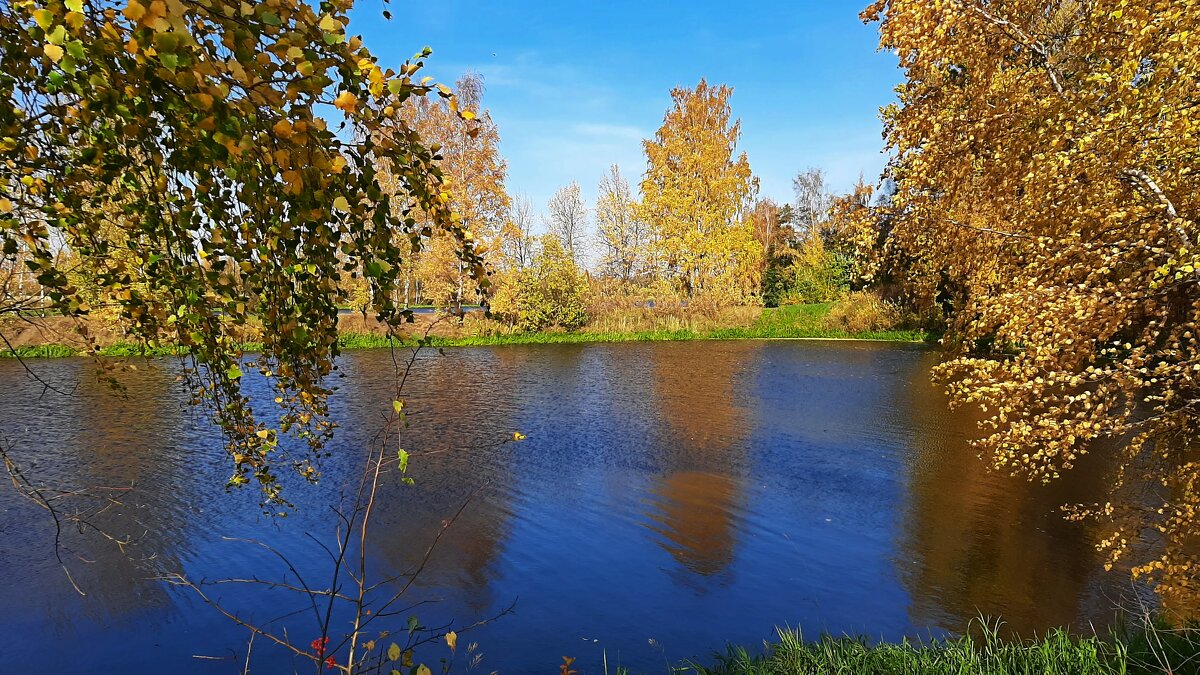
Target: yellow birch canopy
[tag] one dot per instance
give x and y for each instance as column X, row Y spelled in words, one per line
column 696, row 194
column 1046, row 158
column 227, row 151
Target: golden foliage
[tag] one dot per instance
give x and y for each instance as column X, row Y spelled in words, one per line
column 196, row 140
column 695, row 195
column 468, row 153
column 1045, row 158
column 551, row 293
column 863, row 311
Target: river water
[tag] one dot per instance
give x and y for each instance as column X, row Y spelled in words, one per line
column 669, row 498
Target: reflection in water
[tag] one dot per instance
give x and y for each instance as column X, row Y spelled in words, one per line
column 454, row 460
column 979, row 539
column 693, row 514
column 700, row 490
column 693, row 493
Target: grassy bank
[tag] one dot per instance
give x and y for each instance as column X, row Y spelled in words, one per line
column 794, row 322
column 1142, row 652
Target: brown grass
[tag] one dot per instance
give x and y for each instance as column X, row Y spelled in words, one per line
column 863, row 311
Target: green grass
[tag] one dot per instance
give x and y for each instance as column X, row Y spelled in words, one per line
column 40, row 352
column 792, row 322
column 120, row 349
column 1058, row 652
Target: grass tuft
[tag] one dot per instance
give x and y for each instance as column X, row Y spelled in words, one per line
column 1154, row 650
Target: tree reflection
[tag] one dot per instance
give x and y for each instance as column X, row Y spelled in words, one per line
column 702, row 462
column 977, row 541
column 104, row 445
column 454, row 458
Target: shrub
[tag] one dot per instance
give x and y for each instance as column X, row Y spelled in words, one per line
column 815, row 275
column 863, row 311
column 553, row 293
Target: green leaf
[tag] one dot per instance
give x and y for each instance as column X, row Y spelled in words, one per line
column 403, row 457
column 270, row 18
column 75, row 49
column 394, row 653
column 75, row 5
column 169, row 61
column 413, row 624
column 234, row 372
column 57, row 36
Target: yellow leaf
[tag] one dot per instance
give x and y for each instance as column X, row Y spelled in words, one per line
column 283, row 128
column 262, row 433
column 341, row 204
column 330, row 24
column 423, row 670
column 53, row 52
column 452, row 640
column 6, row 206
column 295, row 181
column 44, row 18
column 346, row 102
column 134, row 11
column 468, row 115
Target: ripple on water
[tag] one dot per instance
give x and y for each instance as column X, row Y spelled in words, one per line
column 690, row 493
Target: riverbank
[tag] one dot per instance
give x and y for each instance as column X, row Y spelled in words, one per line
column 1140, row 652
column 45, row 339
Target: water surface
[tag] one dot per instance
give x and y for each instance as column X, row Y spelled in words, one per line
column 669, row 498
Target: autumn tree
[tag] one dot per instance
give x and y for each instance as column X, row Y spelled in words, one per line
column 772, row 226
column 622, row 235
column 813, row 199
column 567, row 220
column 695, row 195
column 1044, row 157
column 518, row 240
column 226, row 150
column 772, row 229
column 468, row 147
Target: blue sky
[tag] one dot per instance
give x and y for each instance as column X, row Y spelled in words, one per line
column 575, row 86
